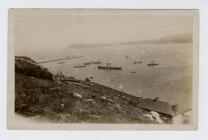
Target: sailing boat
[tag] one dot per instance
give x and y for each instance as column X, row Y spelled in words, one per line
column 152, row 64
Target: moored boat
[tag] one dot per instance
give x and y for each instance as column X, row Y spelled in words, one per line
column 152, row 64
column 137, row 62
column 88, row 63
column 109, row 67
column 97, row 62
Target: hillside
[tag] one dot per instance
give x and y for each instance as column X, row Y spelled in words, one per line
column 29, row 67
column 40, row 94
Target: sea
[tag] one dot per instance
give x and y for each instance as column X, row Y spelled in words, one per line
column 170, row 80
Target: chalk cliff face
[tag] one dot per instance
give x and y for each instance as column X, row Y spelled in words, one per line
column 40, row 96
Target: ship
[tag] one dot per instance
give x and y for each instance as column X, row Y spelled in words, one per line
column 109, row 67
column 152, row 64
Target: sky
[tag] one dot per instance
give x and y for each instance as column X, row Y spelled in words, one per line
column 45, row 30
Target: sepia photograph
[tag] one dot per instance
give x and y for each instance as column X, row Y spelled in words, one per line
column 115, row 67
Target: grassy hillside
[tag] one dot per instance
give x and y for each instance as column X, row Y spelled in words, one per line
column 29, row 67
column 38, row 94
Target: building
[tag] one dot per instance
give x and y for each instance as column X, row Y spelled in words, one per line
column 163, row 108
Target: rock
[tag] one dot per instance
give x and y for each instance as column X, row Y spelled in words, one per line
column 77, row 95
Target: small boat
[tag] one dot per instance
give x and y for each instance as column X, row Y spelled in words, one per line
column 80, row 66
column 88, row 63
column 152, row 64
column 97, row 62
column 133, row 72
column 137, row 62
